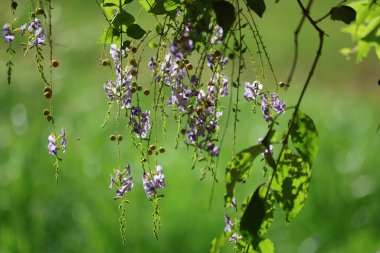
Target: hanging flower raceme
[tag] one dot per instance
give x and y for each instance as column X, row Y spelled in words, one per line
column 140, row 121
column 37, row 35
column 182, row 45
column 252, row 90
column 123, row 181
column 153, row 181
column 7, row 33
column 53, row 147
column 229, row 227
column 218, row 35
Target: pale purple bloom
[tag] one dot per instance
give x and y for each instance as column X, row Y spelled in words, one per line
column 252, row 90
column 140, row 121
column 7, row 33
column 53, row 148
column 266, row 151
column 234, row 238
column 123, row 180
column 116, row 53
column 153, row 182
column 277, row 104
column 229, row 223
column 218, row 34
column 265, row 108
column 63, row 140
column 37, row 33
column 22, row 29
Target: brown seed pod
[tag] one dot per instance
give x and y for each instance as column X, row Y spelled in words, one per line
column 161, row 150
column 146, row 92
column 183, row 131
column 150, row 152
column 40, row 11
column 48, row 94
column 46, row 112
column 134, row 50
column 112, row 137
column 133, row 62
column 139, row 87
column 231, row 56
column 47, row 89
column 189, row 66
column 119, row 138
column 217, row 53
column 105, row 63
column 152, row 147
column 54, row 63
column 49, row 118
column 133, row 72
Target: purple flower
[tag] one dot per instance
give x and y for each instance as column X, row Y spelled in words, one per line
column 153, row 181
column 123, row 180
column 53, row 149
column 218, row 34
column 63, row 140
column 266, row 151
column 234, row 238
column 265, row 108
column 182, row 45
column 277, row 104
column 22, row 29
column 140, row 121
column 252, row 90
column 229, row 223
column 37, row 33
column 116, row 53
column 7, row 33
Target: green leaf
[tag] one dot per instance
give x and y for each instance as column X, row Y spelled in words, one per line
column 225, row 14
column 266, row 246
column 111, row 3
column 109, row 35
column 258, row 6
column 154, row 7
column 373, row 35
column 290, row 183
column 304, row 137
column 217, row 243
column 123, row 18
column 343, row 13
column 258, row 214
column 238, row 170
column 171, row 5
column 135, row 31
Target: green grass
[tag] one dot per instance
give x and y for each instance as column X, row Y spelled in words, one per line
column 78, row 214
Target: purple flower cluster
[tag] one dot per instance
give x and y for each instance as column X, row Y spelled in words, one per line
column 229, row 227
column 252, row 90
column 182, row 45
column 220, row 81
column 275, row 103
column 218, row 35
column 123, row 180
column 140, row 121
column 216, row 61
column 52, row 143
column 7, row 33
column 153, row 181
column 120, row 89
column 37, row 33
column 203, row 124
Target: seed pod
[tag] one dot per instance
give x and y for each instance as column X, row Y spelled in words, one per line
column 49, row 118
column 54, row 63
column 46, row 112
column 112, row 137
column 134, row 50
column 152, row 147
column 133, row 72
column 161, row 150
column 189, row 66
column 134, row 84
column 40, row 11
column 183, row 131
column 150, row 152
column 217, row 53
column 119, row 138
column 231, row 56
column 14, row 5
column 47, row 89
column 146, row 92
column 133, row 62
column 105, row 63
column 139, row 87
column 48, row 94
column 133, row 90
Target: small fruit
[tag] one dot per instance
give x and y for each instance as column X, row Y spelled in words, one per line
column 146, row 92
column 112, row 137
column 189, row 66
column 55, row 63
column 119, row 138
column 46, row 112
column 161, row 150
column 152, row 147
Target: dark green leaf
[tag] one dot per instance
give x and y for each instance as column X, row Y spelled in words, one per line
column 304, row 137
column 123, row 18
column 154, row 7
column 225, row 14
column 258, row 215
column 238, row 170
column 258, row 6
column 290, row 184
column 135, row 31
column 343, row 13
column 373, row 35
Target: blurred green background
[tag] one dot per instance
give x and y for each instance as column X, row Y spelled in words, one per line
column 78, row 214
